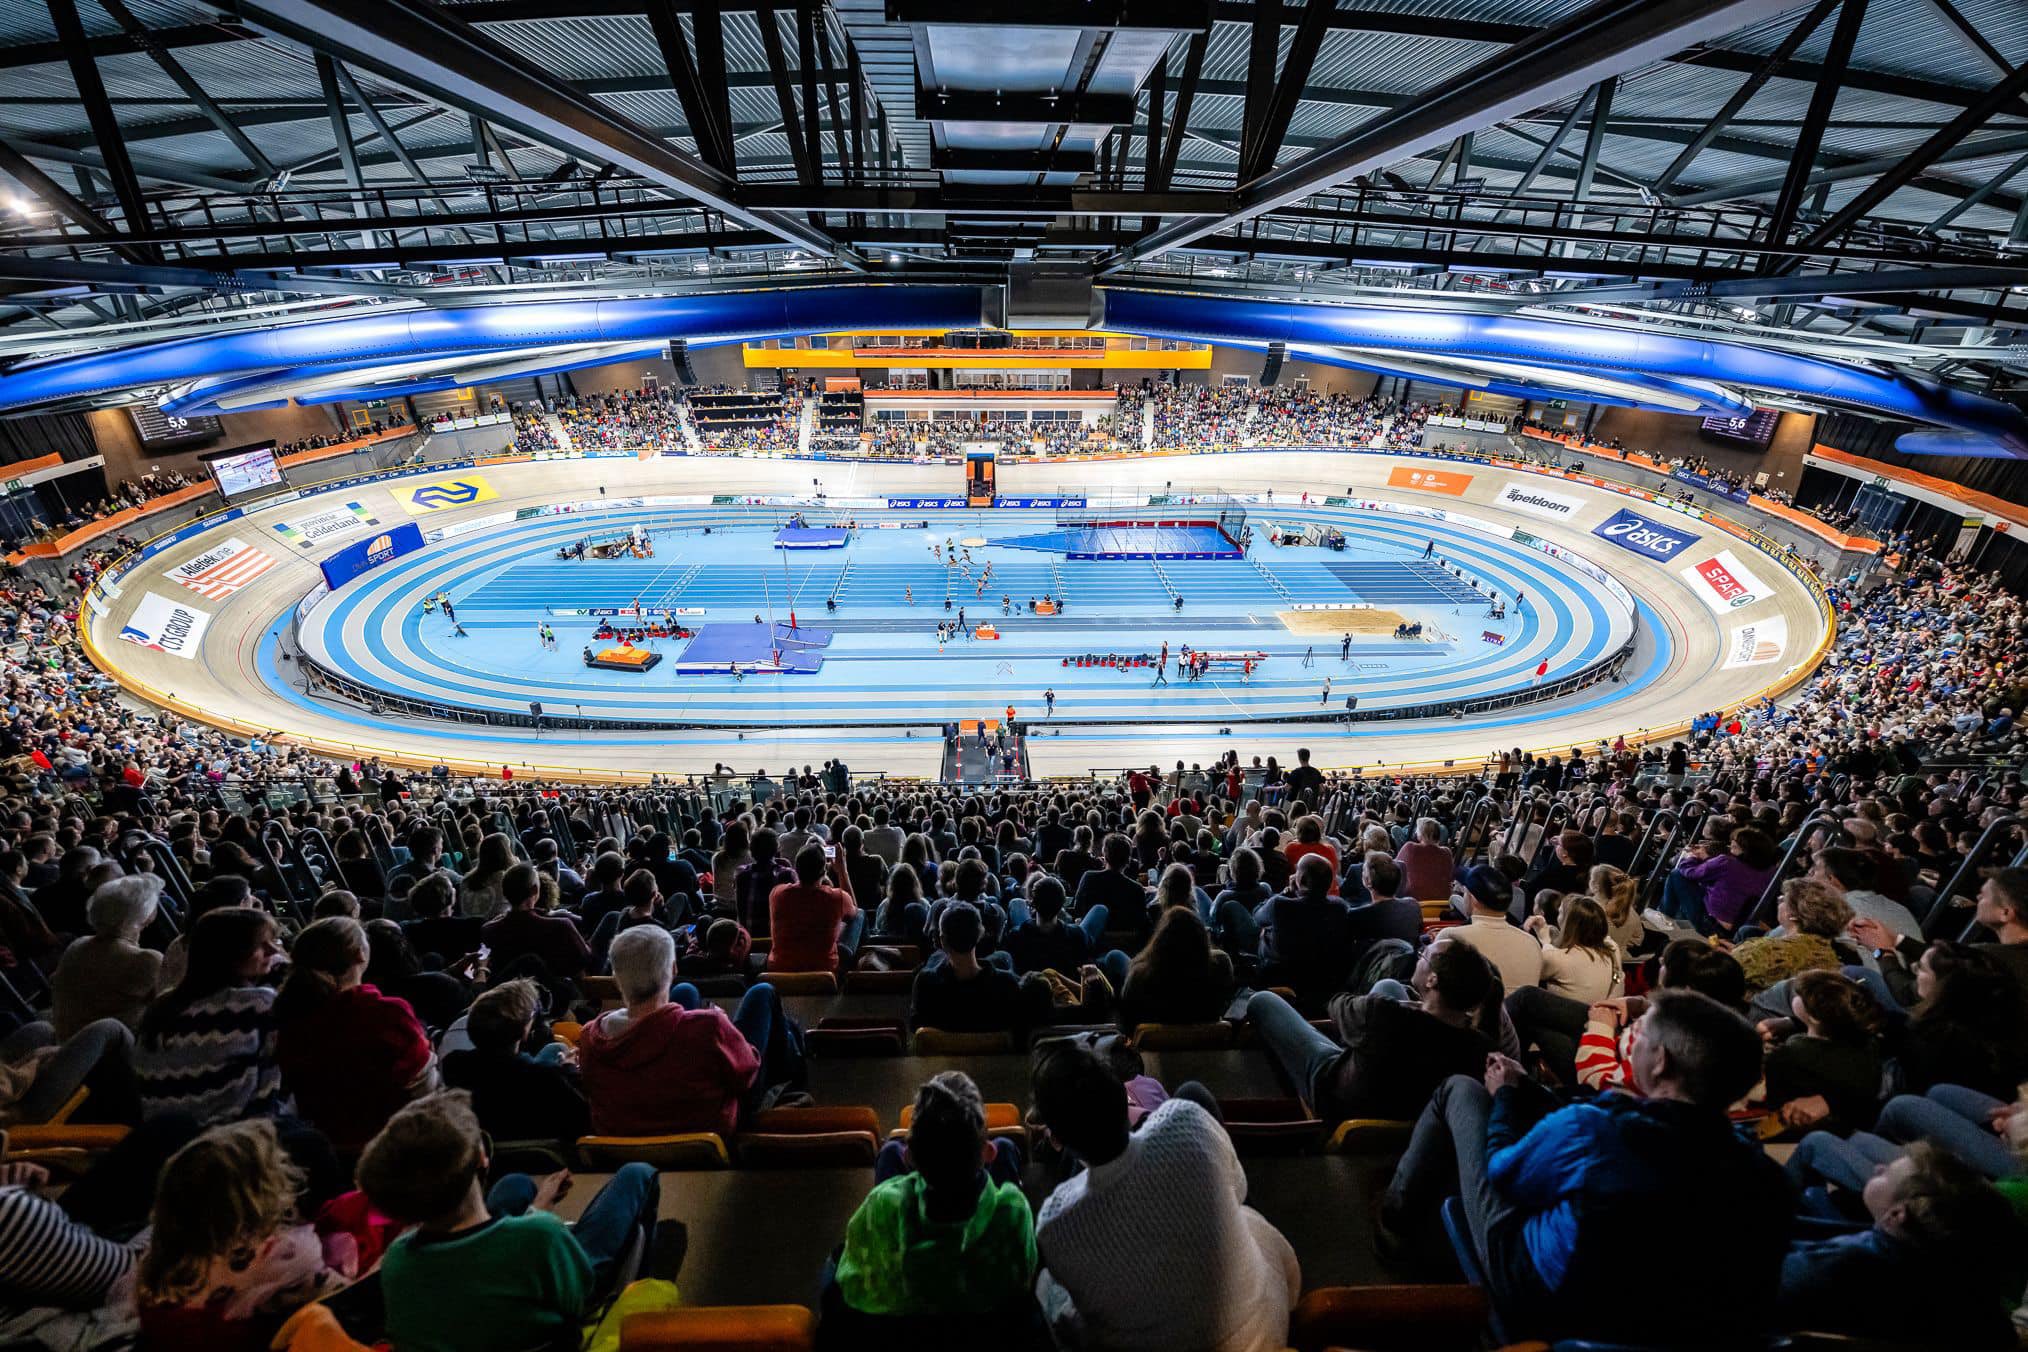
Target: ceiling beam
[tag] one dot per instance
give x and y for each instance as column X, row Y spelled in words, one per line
column 1751, row 85
column 22, row 54
column 424, row 48
column 1609, row 37
column 50, row 193
column 1921, row 157
column 1810, row 139
column 84, row 72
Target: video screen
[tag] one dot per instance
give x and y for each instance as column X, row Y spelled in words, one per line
column 243, row 469
column 1757, row 427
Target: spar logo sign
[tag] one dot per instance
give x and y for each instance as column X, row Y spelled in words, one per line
column 1632, row 531
column 1724, row 583
column 165, row 626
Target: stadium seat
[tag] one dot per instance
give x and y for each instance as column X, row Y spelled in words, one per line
column 840, row 1035
column 1002, row 1119
column 898, row 981
column 721, row 1328
column 1270, row 1126
column 1420, row 1318
column 1370, row 1135
column 680, row 1151
column 1182, row 1037
column 810, row 1138
column 59, row 1144
column 604, row 989
column 937, row 1042
column 803, row 983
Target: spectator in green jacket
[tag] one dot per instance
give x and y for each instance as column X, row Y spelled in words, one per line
column 946, row 1229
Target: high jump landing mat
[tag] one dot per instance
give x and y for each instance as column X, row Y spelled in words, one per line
column 810, row 537
column 1129, row 540
column 754, row 647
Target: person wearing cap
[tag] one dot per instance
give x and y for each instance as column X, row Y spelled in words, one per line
column 1511, row 949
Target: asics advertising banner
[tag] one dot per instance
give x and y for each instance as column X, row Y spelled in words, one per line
column 1632, row 531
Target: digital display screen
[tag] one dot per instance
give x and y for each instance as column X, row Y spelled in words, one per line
column 244, row 469
column 156, row 428
column 1757, row 427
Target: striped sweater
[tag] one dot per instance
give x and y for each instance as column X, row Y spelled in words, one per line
column 46, row 1258
column 214, row 1060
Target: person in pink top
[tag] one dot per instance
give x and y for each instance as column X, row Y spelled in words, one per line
column 810, row 919
column 1426, row 864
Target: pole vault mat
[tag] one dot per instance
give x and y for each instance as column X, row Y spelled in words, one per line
column 777, row 648
column 810, row 537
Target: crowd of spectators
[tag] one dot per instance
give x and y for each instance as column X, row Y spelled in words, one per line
column 621, row 421
column 1599, row 985
column 312, row 1067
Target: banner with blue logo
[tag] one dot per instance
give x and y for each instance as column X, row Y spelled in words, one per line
column 1630, row 530
column 1710, row 485
column 920, row 504
column 369, row 554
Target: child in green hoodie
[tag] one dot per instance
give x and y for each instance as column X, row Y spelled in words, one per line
column 946, row 1229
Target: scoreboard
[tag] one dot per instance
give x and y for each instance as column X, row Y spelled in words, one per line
column 158, row 430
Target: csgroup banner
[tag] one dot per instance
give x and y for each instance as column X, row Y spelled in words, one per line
column 166, row 626
column 1634, row 532
column 366, row 555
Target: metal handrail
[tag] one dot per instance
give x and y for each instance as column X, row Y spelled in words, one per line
column 1833, row 825
column 1934, row 922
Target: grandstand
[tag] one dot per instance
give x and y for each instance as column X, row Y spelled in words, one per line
column 1208, row 677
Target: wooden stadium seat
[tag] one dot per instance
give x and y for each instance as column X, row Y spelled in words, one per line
column 938, row 1042
column 1270, row 1126
column 898, row 981
column 680, row 1151
column 802, row 983
column 727, row 986
column 1421, row 1318
column 810, row 1138
column 840, row 1035
column 604, row 989
column 59, row 1144
column 1183, row 1037
column 1370, row 1135
column 763, row 944
column 721, row 1328
column 1002, row 1119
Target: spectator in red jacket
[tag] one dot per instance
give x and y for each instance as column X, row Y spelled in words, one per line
column 349, row 1055
column 812, row 920
column 668, row 1062
column 523, row 931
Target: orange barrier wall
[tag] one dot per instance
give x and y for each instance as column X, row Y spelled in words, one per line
column 127, row 516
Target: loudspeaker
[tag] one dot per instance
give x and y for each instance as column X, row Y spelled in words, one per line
column 535, row 707
column 1271, row 369
column 679, row 357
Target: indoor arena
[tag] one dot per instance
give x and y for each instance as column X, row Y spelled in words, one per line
column 817, row 675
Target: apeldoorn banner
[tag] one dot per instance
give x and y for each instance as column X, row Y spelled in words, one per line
column 1526, row 497
column 166, row 626
column 1724, row 583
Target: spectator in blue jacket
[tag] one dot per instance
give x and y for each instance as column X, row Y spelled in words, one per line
column 1555, row 1203
column 1940, row 1266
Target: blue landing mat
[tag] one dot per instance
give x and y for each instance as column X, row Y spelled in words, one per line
column 719, row 647
column 810, row 537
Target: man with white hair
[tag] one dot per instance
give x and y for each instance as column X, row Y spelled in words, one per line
column 668, row 1062
column 107, row 974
